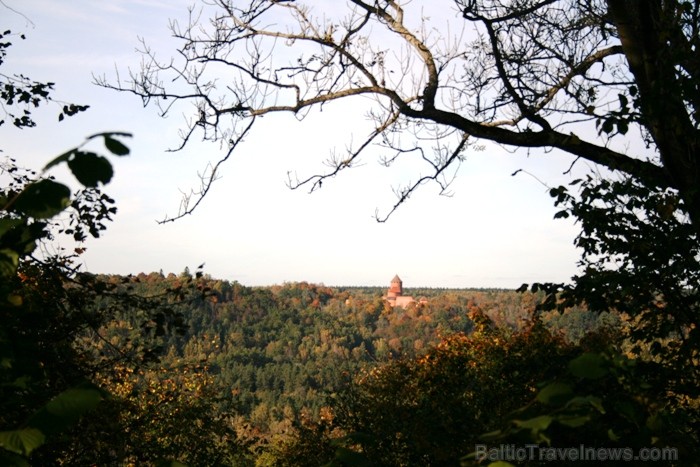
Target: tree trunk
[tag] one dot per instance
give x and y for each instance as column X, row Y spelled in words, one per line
column 647, row 31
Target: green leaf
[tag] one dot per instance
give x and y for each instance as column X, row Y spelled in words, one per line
column 43, row 199
column 538, row 423
column 116, row 147
column 62, row 158
column 593, row 401
column 597, row 403
column 74, row 402
column 8, row 223
column 66, row 408
column 589, row 366
column 656, row 423
column 574, row 421
column 14, row 299
column 9, row 261
column 622, row 127
column 492, row 435
column 555, row 393
column 623, row 100
column 90, row 169
column 22, row 441
column 608, row 125
column 30, row 233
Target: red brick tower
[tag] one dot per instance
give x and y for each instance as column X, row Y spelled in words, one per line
column 396, row 288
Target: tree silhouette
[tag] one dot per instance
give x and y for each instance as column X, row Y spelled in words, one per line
column 586, row 78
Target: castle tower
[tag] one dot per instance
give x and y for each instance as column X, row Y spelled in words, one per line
column 396, row 288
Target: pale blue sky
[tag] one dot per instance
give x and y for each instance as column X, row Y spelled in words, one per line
column 496, row 231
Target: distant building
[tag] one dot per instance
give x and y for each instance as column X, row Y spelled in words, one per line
column 395, row 295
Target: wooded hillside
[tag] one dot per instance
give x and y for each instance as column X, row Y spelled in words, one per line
column 267, row 362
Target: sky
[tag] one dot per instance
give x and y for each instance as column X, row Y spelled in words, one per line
column 496, row 230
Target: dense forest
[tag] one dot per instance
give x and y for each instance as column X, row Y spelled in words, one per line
column 211, row 372
column 202, row 371
column 282, row 350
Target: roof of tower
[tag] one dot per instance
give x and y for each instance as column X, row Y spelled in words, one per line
column 396, row 279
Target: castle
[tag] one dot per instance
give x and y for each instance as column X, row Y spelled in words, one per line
column 395, row 295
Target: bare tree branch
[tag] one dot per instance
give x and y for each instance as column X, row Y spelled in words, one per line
column 207, row 178
column 556, row 64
